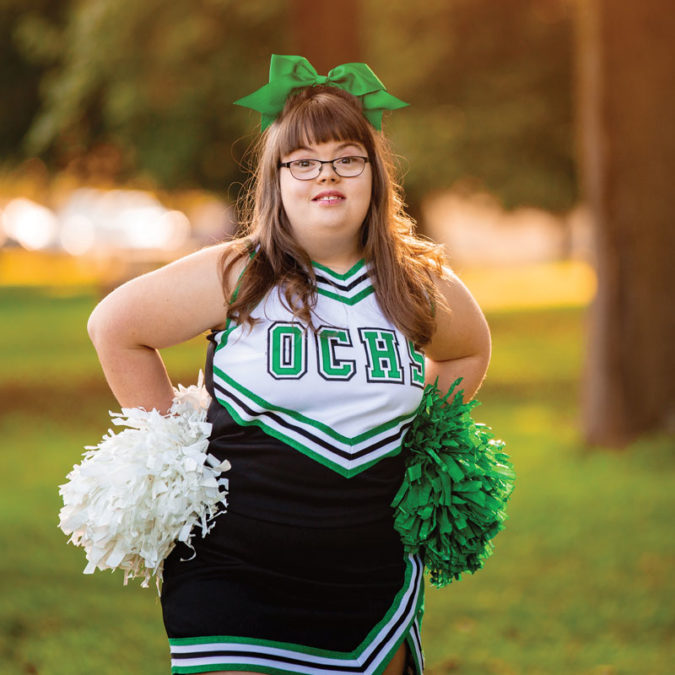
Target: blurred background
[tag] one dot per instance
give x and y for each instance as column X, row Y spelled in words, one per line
column 539, row 147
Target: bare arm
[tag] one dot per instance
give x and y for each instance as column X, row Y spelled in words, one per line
column 460, row 346
column 153, row 311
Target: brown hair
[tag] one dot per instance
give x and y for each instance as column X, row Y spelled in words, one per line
column 401, row 263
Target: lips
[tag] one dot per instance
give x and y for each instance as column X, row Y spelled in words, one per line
column 330, row 196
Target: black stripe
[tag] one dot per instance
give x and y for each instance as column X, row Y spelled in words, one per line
column 343, row 287
column 303, row 432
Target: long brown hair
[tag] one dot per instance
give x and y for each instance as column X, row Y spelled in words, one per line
column 402, row 264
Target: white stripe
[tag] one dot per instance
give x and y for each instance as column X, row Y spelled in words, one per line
column 412, row 590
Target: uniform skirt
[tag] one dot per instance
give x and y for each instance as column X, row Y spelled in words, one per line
column 277, row 598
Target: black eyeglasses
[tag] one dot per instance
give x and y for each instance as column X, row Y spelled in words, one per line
column 307, row 169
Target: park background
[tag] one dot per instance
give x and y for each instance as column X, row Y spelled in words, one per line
column 539, row 147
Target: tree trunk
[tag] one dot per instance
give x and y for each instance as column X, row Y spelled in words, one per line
column 326, row 33
column 627, row 143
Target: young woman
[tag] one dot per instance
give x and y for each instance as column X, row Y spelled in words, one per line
column 325, row 318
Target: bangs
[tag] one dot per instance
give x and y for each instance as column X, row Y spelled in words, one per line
column 315, row 118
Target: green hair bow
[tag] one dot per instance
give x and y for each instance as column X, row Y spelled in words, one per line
column 288, row 73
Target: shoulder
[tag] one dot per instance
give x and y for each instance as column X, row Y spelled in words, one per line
column 461, row 328
column 184, row 298
column 217, row 254
column 212, row 267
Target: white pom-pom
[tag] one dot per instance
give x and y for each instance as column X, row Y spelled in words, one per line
column 141, row 490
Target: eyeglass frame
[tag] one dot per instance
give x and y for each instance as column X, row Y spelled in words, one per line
column 287, row 165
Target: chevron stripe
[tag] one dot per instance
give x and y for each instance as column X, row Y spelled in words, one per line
column 348, row 288
column 348, row 456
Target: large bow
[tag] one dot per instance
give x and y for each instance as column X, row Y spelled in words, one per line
column 288, row 73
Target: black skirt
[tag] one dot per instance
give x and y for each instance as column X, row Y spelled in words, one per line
column 280, row 598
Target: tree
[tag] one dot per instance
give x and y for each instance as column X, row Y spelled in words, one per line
column 20, row 77
column 157, row 79
column 324, row 36
column 490, row 86
column 627, row 108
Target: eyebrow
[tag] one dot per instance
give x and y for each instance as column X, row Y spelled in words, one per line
column 342, row 146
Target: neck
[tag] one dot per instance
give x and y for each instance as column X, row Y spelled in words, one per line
column 339, row 256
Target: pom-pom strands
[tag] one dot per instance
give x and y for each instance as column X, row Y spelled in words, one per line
column 457, row 482
column 139, row 491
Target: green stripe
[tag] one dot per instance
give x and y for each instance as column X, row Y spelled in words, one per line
column 309, row 452
column 336, row 275
column 345, row 300
column 229, row 329
column 312, row 651
column 308, row 421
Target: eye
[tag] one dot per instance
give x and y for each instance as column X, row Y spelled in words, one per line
column 346, row 161
column 303, row 163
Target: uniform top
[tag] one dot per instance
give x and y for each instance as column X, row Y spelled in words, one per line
column 313, row 420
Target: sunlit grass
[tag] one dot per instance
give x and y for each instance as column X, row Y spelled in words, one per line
column 19, row 267
column 567, row 283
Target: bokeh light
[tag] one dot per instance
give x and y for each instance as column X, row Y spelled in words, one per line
column 31, row 225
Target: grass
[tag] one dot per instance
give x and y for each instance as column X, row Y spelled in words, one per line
column 581, row 581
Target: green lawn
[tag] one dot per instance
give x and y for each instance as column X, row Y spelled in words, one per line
column 581, row 581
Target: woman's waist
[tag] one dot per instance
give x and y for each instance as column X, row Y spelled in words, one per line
column 353, row 551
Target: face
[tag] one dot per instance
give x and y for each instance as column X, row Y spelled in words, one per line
column 328, row 208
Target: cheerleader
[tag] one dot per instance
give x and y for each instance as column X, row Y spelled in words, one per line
column 325, row 319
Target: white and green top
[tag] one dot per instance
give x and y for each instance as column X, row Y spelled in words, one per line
column 343, row 394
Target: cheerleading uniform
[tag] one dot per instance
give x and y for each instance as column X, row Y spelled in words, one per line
column 304, row 573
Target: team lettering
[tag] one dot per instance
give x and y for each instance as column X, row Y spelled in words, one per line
column 386, row 359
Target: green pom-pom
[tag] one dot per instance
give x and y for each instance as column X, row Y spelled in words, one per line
column 458, row 479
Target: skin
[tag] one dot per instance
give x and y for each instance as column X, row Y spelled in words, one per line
column 185, row 299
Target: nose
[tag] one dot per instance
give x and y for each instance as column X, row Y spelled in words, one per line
column 330, row 174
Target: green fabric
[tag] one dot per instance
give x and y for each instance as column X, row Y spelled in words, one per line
column 288, row 73
column 458, row 480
